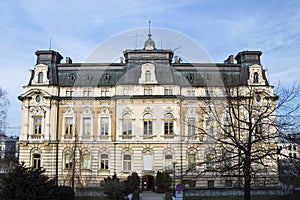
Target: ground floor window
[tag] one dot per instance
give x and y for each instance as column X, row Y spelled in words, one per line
column 36, row 161
column 127, row 162
column 104, row 161
column 210, row 184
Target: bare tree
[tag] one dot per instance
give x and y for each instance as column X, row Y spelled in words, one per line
column 244, row 125
column 4, row 103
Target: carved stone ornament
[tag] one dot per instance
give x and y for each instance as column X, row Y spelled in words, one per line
column 37, row 111
column 127, row 110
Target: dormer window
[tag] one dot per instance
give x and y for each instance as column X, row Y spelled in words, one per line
column 255, row 77
column 40, row 74
column 148, row 76
column 40, row 77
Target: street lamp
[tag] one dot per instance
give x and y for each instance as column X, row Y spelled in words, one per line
column 173, row 188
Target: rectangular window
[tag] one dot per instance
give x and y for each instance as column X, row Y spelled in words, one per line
column 192, row 162
column 210, row 184
column 168, row 91
column 69, row 126
column 191, row 126
column 147, row 127
column 87, row 93
column 86, row 127
column 69, row 93
column 104, row 161
column 86, row 161
column 147, row 91
column 36, row 162
column 68, row 161
column 127, row 162
column 127, row 91
column 227, row 161
column 127, row 126
column 104, row 125
column 168, row 162
column 104, row 93
column 228, row 183
column 168, row 127
column 206, row 93
column 209, row 161
column 191, row 93
column 38, row 125
column 209, row 126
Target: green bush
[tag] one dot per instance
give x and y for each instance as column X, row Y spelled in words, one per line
column 163, row 181
column 27, row 183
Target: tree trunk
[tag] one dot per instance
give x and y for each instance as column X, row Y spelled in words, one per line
column 247, row 177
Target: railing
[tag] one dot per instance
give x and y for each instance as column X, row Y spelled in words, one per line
column 37, row 136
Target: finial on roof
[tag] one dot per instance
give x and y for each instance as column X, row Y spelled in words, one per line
column 149, row 34
column 149, row 44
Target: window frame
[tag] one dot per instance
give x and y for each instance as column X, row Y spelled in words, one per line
column 36, row 161
column 127, row 124
column 104, row 161
column 127, row 163
column 37, row 126
column 168, row 124
column 86, row 161
column 148, row 124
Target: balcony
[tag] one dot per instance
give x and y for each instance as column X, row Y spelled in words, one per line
column 37, row 136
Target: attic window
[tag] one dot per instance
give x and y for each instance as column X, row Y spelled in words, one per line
column 190, row 78
column 148, row 76
column 255, row 77
column 40, row 77
column 89, row 78
column 72, row 77
column 106, row 78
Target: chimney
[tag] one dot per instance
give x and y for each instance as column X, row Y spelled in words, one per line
column 121, row 60
column 68, row 60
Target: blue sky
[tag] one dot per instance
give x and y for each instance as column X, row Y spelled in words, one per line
column 78, row 27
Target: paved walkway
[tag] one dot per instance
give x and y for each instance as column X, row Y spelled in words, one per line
column 148, row 195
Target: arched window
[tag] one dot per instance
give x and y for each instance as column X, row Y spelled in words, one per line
column 148, row 76
column 168, row 124
column 40, row 77
column 127, row 124
column 147, row 124
column 255, row 77
column 36, row 161
column 104, row 162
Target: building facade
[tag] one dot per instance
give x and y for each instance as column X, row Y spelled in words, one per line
column 83, row 122
column 8, row 152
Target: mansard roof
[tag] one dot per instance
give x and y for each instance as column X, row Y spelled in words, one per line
column 167, row 71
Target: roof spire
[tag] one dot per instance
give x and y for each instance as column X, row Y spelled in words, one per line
column 149, row 34
column 149, row 44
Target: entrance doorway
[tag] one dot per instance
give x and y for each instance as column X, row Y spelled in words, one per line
column 148, row 183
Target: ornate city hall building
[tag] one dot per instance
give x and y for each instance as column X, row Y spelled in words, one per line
column 144, row 114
